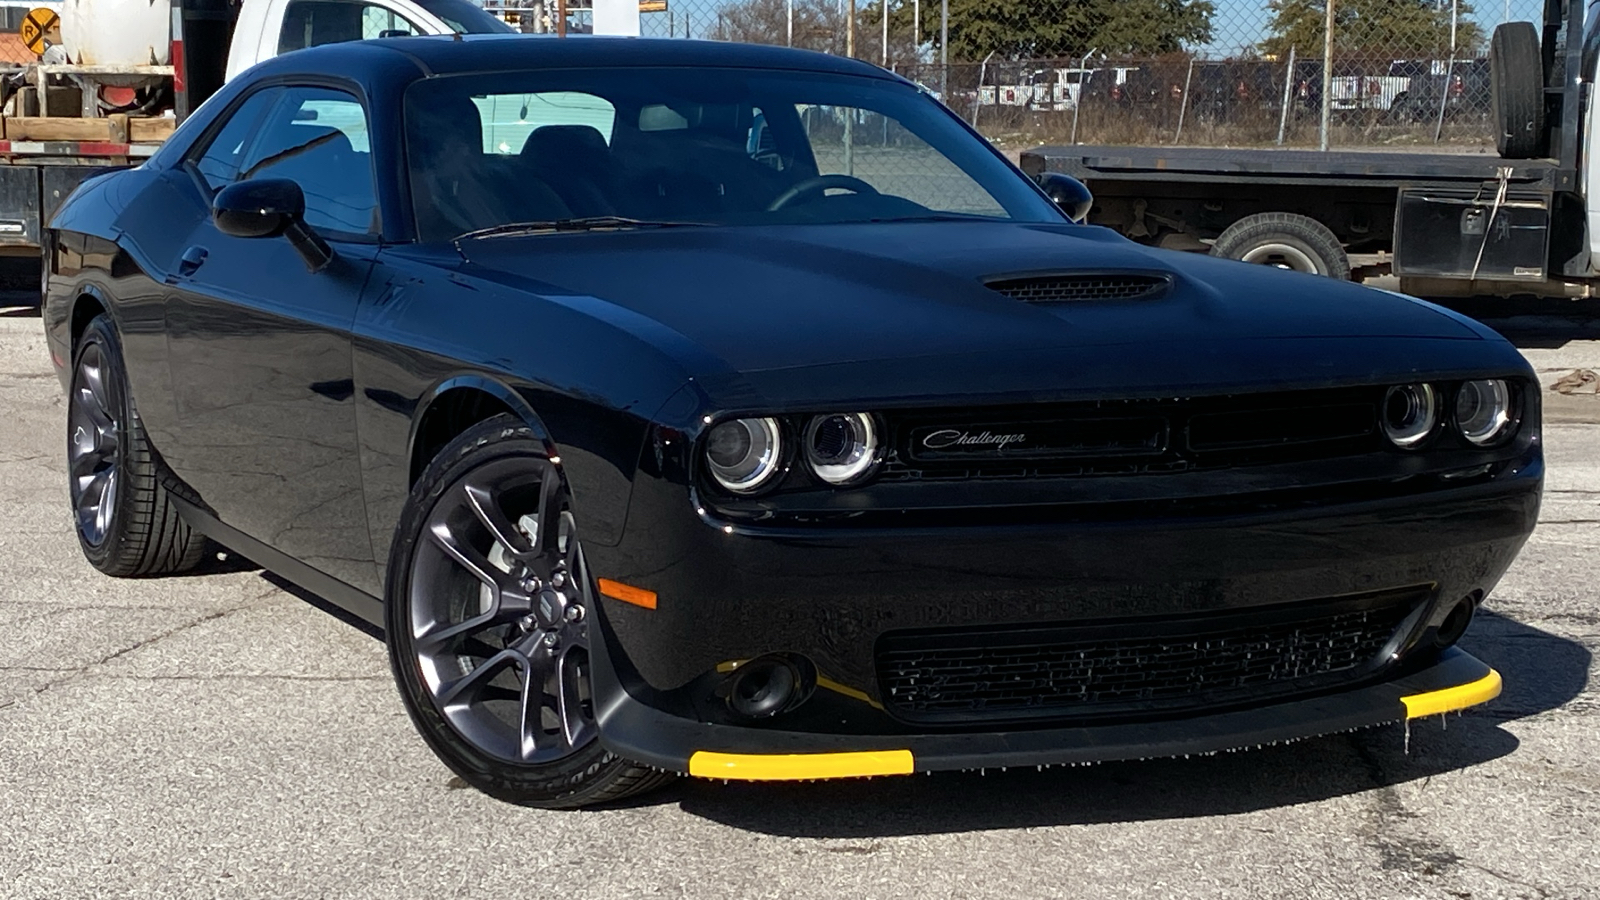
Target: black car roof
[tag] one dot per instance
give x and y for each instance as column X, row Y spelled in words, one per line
column 446, row 55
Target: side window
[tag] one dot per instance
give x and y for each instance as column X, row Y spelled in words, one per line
column 317, row 137
column 312, row 23
column 219, row 164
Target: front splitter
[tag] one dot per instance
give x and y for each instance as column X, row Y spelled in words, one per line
column 644, row 734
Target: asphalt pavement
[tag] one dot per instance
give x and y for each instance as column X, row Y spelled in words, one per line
column 224, row 735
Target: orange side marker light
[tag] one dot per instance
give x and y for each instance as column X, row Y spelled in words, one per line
column 616, row 590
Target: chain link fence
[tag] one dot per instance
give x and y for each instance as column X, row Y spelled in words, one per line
column 1187, row 72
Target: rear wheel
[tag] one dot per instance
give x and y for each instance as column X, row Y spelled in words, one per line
column 126, row 522
column 488, row 622
column 1287, row 241
column 1516, row 78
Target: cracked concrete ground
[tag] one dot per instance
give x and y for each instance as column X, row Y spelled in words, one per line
column 219, row 736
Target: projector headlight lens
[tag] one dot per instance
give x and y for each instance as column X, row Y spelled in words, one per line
column 842, row 447
column 1483, row 411
column 744, row 454
column 1409, row 413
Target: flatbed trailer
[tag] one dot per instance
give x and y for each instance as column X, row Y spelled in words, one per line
column 1447, row 223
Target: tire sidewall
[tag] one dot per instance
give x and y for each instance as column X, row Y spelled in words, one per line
column 562, row 783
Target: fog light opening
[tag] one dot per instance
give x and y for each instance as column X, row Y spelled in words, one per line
column 768, row 685
column 1455, row 624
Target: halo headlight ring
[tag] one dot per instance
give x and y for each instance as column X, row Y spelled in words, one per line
column 745, row 455
column 1409, row 414
column 1484, row 412
column 843, row 448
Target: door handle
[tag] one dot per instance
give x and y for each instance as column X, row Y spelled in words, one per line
column 193, row 259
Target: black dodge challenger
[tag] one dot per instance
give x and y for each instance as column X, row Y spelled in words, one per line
column 683, row 407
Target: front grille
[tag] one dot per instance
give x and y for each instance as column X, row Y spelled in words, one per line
column 1130, row 437
column 1139, row 666
column 1082, row 288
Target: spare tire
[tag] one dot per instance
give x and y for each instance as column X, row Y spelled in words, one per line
column 1516, row 73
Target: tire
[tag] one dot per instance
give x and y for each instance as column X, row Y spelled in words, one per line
column 1516, row 78
column 125, row 520
column 1285, row 240
column 467, row 656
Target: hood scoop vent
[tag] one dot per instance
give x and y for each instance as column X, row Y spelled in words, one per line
column 1081, row 288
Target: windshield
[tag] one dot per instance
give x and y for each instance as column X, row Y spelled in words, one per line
column 704, row 146
column 465, row 18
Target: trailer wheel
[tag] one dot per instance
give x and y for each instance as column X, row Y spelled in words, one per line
column 1285, row 240
column 1516, row 78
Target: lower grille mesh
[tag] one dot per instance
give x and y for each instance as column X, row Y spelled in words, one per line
column 1112, row 669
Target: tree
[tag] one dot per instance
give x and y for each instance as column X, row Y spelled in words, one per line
column 1380, row 29
column 1022, row 29
column 1010, row 29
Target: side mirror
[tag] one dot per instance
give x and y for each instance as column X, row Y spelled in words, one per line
column 268, row 208
column 1068, row 193
column 258, row 209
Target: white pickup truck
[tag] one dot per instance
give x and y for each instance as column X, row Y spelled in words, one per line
column 126, row 71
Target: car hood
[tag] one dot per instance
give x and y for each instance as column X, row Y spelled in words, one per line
column 759, row 313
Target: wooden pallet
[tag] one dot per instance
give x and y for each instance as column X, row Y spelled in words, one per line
column 113, row 129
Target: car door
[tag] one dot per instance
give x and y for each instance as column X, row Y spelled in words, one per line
column 259, row 345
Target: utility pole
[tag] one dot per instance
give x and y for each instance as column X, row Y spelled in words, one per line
column 885, row 60
column 944, row 51
column 1327, row 76
column 850, row 32
column 790, row 37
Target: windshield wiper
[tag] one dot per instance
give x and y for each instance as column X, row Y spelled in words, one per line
column 583, row 223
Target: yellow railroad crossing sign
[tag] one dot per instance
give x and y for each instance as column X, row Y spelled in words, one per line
column 40, row 28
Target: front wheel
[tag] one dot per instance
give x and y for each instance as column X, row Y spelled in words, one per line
column 1287, row 241
column 488, row 621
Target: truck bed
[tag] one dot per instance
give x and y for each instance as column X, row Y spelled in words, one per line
column 1352, row 168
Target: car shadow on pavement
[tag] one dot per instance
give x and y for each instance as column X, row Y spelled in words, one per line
column 1542, row 672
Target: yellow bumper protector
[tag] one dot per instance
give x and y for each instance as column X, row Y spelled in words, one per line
column 799, row 766
column 1450, row 699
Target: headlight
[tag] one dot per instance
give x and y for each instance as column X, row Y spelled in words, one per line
column 1409, row 414
column 1483, row 411
column 744, row 454
column 842, row 447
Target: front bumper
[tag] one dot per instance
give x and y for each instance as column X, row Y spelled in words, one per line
column 721, row 593
column 640, row 732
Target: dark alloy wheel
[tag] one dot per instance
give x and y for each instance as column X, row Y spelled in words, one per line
column 126, row 523
column 490, row 608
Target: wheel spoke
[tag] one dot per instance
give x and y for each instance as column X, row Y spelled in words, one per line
column 549, row 513
column 575, row 726
column 531, row 713
column 93, row 377
column 94, row 410
column 484, row 504
column 470, row 559
column 466, row 688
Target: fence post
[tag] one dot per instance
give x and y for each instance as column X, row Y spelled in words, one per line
column 1183, row 102
column 1449, row 72
column 1327, row 77
column 1078, row 106
column 1288, row 82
